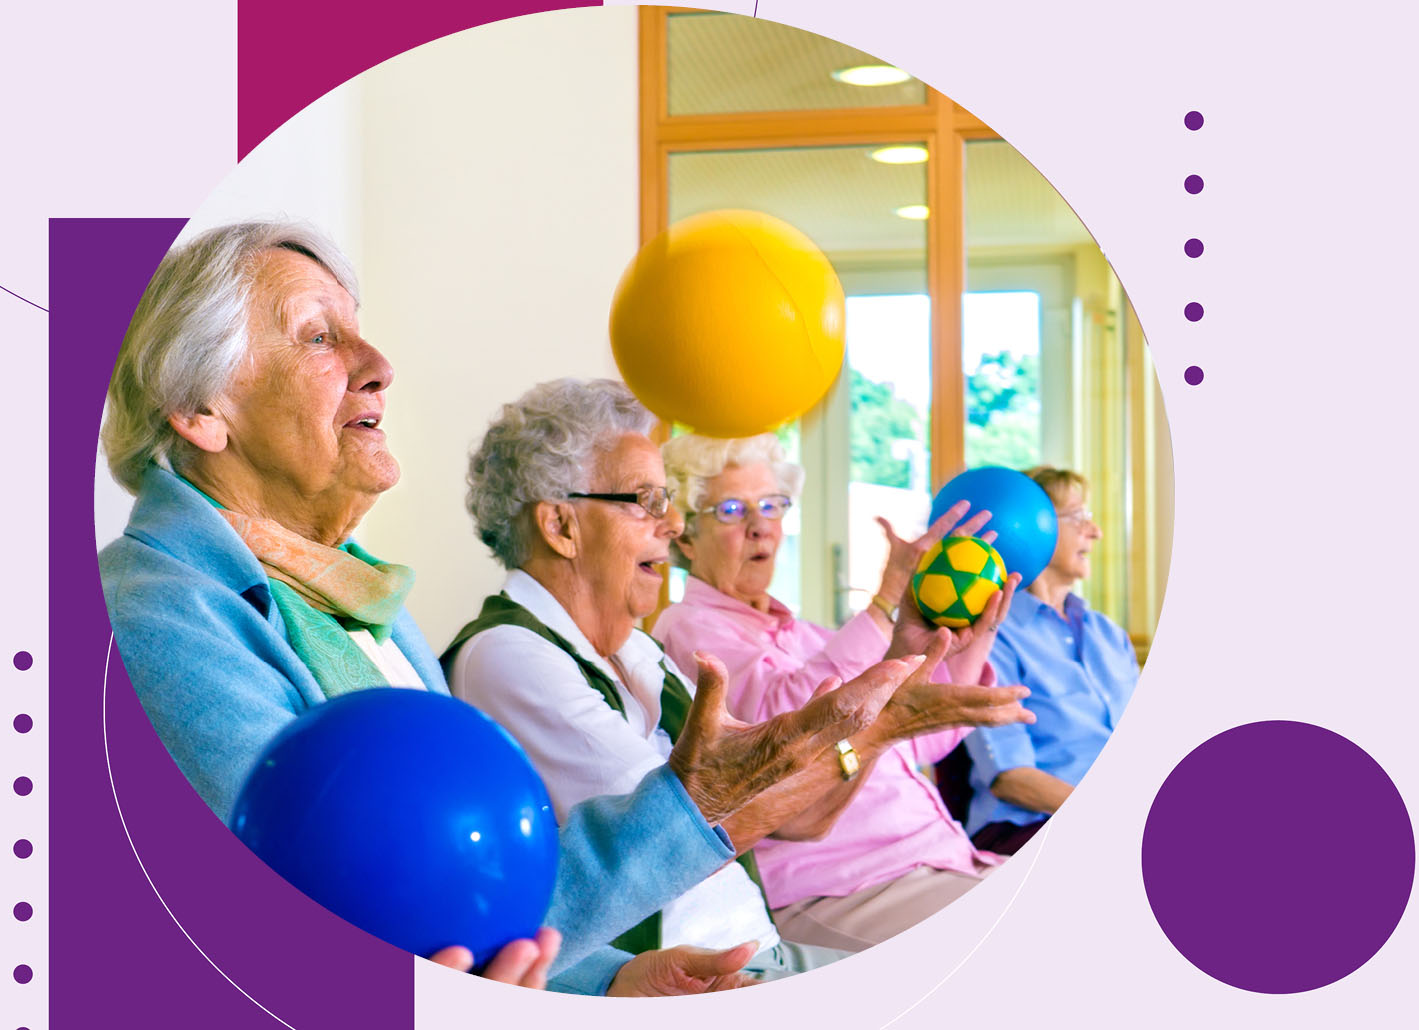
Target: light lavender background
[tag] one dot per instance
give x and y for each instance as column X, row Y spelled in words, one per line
column 1294, row 451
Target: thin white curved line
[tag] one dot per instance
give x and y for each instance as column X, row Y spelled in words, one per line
column 984, row 937
column 113, row 787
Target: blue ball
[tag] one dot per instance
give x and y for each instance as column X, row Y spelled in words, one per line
column 1021, row 512
column 410, row 814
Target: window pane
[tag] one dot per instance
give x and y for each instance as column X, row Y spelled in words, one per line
column 728, row 63
column 889, row 364
column 1001, row 359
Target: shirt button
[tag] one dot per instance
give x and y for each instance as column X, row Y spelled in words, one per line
column 1069, row 640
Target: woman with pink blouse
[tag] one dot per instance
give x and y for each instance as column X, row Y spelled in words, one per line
column 894, row 854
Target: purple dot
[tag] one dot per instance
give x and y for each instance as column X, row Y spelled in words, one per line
column 23, row 848
column 1239, row 888
column 1193, row 120
column 23, row 974
column 23, row 786
column 1193, row 184
column 23, row 723
column 1193, row 312
column 1193, row 248
column 1193, row 375
column 23, row 911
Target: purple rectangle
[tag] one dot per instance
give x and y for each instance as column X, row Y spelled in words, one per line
column 182, row 927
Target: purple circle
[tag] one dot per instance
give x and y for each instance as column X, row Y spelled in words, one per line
column 23, row 911
column 1234, row 857
column 1193, row 375
column 23, row 786
column 1193, row 247
column 23, row 660
column 23, row 974
column 23, row 723
column 1193, row 184
column 1193, row 120
column 23, row 848
column 1193, row 312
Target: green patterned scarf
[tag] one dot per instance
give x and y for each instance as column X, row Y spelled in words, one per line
column 323, row 593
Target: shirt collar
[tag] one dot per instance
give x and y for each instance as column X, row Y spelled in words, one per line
column 1027, row 606
column 701, row 594
column 537, row 599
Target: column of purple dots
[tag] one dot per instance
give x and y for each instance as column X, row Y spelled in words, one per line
column 22, row 848
column 1193, row 248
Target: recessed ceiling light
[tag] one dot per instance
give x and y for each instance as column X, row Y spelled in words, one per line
column 916, row 212
column 911, row 154
column 871, row 75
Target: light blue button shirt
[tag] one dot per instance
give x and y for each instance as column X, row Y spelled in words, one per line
column 1081, row 670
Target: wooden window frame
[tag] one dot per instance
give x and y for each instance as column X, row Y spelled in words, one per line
column 941, row 124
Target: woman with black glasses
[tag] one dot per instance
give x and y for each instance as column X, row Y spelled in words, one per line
column 570, row 494
column 890, row 854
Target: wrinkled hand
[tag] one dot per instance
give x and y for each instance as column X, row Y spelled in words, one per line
column 970, row 648
column 683, row 970
column 921, row 706
column 522, row 963
column 723, row 763
column 903, row 556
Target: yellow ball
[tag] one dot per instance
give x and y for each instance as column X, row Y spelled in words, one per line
column 730, row 322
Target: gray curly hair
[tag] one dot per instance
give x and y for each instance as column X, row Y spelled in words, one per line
column 188, row 338
column 543, row 447
column 691, row 461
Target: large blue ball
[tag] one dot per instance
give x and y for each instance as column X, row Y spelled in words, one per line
column 410, row 814
column 1021, row 512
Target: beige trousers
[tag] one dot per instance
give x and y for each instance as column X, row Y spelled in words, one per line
column 873, row 914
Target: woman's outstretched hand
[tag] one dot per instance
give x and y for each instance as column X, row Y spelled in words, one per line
column 683, row 970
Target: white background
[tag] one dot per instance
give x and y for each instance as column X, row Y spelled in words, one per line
column 1293, row 458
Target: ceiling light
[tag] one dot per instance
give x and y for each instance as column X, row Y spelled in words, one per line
column 916, row 212
column 871, row 75
column 912, row 154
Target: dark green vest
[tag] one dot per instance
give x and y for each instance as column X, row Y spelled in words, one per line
column 501, row 610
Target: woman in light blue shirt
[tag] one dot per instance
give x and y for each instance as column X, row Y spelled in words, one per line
column 1081, row 670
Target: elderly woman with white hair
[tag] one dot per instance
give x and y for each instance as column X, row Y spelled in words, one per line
column 245, row 413
column 570, row 494
column 894, row 855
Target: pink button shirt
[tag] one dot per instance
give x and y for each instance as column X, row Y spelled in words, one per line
column 897, row 820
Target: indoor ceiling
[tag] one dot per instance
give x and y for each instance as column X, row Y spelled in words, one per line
column 838, row 195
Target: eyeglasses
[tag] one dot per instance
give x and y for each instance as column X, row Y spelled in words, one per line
column 654, row 499
column 732, row 509
column 1078, row 516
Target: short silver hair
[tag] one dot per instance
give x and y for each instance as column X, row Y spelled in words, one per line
column 188, row 338
column 543, row 447
column 691, row 461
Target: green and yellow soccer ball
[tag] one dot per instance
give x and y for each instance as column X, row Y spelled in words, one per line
column 955, row 579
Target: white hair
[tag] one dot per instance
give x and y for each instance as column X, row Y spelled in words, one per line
column 691, row 461
column 543, row 447
column 188, row 338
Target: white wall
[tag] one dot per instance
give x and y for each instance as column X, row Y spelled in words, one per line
column 486, row 188
column 501, row 204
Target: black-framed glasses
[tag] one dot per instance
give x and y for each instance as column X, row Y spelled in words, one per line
column 654, row 499
column 733, row 509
